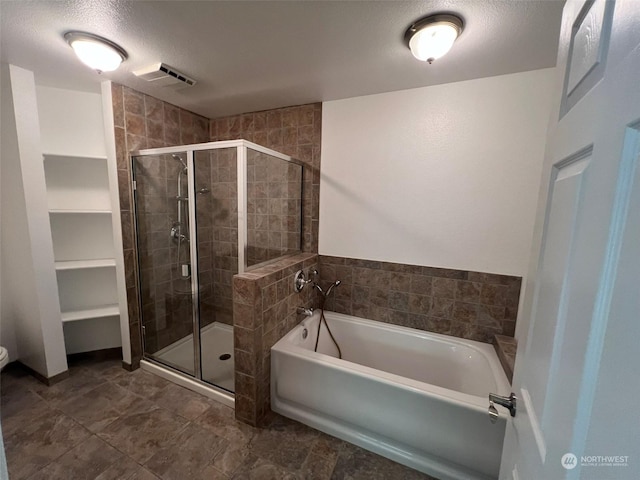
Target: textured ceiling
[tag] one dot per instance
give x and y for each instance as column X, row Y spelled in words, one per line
column 249, row 56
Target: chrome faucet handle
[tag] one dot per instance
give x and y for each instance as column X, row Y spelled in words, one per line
column 493, row 412
column 300, row 281
column 507, row 402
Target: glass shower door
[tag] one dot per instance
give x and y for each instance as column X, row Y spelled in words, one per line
column 164, row 265
column 216, row 218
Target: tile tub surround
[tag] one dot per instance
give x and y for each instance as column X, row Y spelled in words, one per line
column 106, row 423
column 295, row 131
column 142, row 121
column 506, row 348
column 264, row 310
column 471, row 305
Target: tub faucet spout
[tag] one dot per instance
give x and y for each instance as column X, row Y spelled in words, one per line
column 307, row 312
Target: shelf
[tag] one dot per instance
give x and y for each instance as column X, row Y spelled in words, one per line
column 55, row 156
column 99, row 312
column 80, row 264
column 74, row 211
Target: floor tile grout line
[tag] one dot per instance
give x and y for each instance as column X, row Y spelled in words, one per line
column 118, row 449
column 66, row 451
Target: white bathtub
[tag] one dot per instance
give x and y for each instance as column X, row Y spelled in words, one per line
column 416, row 397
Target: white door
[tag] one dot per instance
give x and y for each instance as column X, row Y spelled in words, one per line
column 577, row 374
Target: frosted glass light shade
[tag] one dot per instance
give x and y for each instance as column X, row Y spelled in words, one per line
column 432, row 37
column 433, row 42
column 96, row 52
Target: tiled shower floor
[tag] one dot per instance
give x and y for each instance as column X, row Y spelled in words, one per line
column 215, row 340
column 105, row 423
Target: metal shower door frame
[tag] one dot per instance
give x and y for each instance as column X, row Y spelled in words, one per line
column 193, row 270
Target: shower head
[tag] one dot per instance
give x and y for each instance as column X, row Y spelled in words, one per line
column 331, row 287
column 179, row 158
column 328, row 292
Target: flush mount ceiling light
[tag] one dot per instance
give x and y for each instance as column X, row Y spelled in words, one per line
column 96, row 52
column 432, row 37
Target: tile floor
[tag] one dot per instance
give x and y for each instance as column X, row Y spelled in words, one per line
column 108, row 424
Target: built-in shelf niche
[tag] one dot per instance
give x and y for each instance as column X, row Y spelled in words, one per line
column 81, row 236
column 92, row 334
column 79, row 202
column 77, row 183
column 85, row 288
column 75, row 135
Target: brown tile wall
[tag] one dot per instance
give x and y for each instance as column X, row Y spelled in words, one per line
column 295, row 131
column 260, row 316
column 264, row 310
column 220, row 208
column 471, row 305
column 274, row 205
column 142, row 121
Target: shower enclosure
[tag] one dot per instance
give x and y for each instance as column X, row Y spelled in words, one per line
column 204, row 213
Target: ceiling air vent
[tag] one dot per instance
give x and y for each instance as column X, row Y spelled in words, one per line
column 163, row 75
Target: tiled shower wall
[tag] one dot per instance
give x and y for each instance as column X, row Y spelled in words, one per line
column 274, row 196
column 294, row 131
column 471, row 305
column 220, row 208
column 264, row 310
column 142, row 121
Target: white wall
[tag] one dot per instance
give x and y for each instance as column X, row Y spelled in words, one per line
column 71, row 122
column 29, row 287
column 9, row 168
column 444, row 176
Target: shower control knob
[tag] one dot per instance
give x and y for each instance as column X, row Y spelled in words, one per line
column 299, row 281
